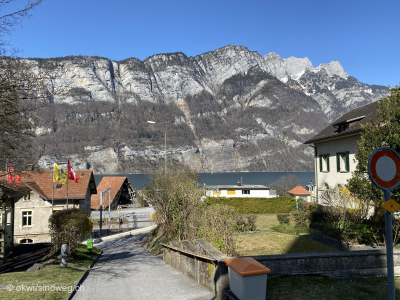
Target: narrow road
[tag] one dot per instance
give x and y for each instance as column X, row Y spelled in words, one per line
column 127, row 271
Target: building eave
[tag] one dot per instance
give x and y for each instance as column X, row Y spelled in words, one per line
column 335, row 137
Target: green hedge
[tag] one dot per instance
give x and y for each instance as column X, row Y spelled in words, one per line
column 256, row 205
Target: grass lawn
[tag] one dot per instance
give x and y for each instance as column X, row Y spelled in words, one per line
column 317, row 287
column 50, row 278
column 270, row 242
column 81, row 258
column 266, row 221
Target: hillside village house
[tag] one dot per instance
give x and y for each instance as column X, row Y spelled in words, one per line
column 121, row 193
column 240, row 190
column 32, row 211
column 335, row 148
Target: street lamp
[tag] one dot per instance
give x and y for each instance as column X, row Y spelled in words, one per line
column 165, row 144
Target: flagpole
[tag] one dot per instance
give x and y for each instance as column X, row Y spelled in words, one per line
column 52, row 197
column 67, row 181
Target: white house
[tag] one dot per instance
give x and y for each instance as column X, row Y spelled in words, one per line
column 335, row 148
column 240, row 190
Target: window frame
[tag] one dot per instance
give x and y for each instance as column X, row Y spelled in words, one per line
column 246, row 192
column 27, row 217
column 324, row 163
column 343, row 162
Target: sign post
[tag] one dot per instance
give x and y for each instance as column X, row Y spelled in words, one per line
column 384, row 172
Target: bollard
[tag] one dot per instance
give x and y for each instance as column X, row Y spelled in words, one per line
column 90, row 244
column 64, row 254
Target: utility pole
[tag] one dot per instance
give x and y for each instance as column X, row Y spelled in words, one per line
column 165, row 143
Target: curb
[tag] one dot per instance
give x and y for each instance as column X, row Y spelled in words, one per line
column 83, row 277
column 118, row 235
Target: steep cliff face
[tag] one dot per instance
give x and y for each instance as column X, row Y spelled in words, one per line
column 226, row 110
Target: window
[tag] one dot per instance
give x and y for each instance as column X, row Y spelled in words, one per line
column 245, row 192
column 26, row 241
column 324, row 163
column 343, row 161
column 231, row 192
column 343, row 127
column 26, row 218
column 27, row 197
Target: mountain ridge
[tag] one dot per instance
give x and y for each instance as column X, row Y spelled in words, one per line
column 230, row 109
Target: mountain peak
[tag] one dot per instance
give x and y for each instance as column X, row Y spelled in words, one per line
column 333, row 68
column 295, row 67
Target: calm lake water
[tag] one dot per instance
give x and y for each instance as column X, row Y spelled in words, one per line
column 264, row 178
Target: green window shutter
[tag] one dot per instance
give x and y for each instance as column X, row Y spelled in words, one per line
column 338, row 161
column 320, row 163
column 327, row 162
column 347, row 161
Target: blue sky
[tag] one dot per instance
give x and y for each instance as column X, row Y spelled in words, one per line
column 362, row 35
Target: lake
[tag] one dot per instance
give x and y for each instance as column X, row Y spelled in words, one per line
column 263, row 178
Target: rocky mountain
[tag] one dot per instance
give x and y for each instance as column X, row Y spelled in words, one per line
column 226, row 110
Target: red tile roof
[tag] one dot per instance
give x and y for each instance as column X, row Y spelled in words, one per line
column 42, row 183
column 299, row 191
column 115, row 183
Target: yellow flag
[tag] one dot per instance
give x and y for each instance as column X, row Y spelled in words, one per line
column 64, row 176
column 57, row 173
column 60, row 175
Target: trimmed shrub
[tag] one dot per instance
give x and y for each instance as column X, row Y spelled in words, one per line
column 283, row 219
column 243, row 225
column 256, row 205
column 298, row 219
column 69, row 226
column 316, row 211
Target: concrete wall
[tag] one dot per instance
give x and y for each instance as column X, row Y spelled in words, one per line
column 333, row 177
column 214, row 274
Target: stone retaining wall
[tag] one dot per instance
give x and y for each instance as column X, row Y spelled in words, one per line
column 332, row 264
column 213, row 273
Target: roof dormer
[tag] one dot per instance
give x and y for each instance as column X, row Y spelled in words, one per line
column 343, row 125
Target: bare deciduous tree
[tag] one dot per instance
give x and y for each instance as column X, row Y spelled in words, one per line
column 285, row 184
column 175, row 196
column 22, row 89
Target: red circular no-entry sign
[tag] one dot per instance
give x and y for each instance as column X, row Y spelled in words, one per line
column 384, row 168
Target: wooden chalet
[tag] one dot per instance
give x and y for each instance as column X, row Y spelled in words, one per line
column 121, row 193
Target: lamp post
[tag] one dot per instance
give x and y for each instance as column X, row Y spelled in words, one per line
column 165, row 144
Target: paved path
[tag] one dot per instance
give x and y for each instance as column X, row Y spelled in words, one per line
column 127, row 271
